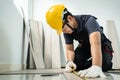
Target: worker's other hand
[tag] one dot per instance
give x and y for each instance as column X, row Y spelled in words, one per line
column 92, row 72
column 70, row 66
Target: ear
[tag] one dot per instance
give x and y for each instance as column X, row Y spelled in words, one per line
column 69, row 18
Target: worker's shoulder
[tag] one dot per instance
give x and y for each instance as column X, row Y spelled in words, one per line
column 84, row 16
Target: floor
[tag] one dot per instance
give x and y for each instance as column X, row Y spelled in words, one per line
column 51, row 74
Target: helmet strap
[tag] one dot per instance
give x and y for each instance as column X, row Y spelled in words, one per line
column 70, row 26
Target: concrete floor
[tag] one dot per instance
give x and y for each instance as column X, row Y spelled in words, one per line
column 51, row 74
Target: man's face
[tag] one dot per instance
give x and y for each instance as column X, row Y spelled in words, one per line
column 66, row 29
column 69, row 26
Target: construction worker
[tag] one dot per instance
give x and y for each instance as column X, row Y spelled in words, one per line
column 90, row 58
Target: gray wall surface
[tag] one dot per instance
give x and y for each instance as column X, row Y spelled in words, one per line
column 11, row 31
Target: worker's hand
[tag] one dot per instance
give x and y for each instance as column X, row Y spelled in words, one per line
column 70, row 66
column 92, row 72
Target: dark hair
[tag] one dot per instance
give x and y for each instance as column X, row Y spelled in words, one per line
column 65, row 14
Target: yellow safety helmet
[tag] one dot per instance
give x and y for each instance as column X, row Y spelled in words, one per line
column 54, row 17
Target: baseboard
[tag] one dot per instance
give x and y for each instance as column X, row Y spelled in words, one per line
column 11, row 67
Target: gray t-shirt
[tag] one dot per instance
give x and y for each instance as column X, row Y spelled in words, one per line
column 85, row 28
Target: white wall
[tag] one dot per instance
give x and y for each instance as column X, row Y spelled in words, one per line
column 11, row 26
column 11, row 36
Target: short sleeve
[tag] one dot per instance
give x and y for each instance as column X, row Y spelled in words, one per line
column 68, row 38
column 92, row 25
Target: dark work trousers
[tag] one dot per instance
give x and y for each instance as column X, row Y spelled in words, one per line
column 83, row 61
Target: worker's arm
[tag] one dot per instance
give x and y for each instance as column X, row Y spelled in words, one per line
column 95, row 70
column 95, row 42
column 70, row 65
column 70, row 52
